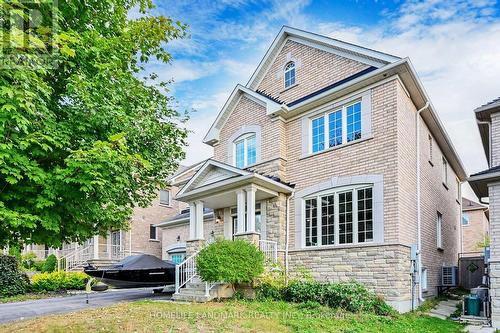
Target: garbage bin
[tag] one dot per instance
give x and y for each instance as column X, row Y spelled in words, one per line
column 473, row 305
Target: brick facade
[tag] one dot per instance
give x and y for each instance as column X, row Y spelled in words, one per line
column 476, row 231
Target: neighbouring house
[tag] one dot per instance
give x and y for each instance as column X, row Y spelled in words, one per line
column 142, row 236
column 486, row 185
column 475, row 226
column 333, row 158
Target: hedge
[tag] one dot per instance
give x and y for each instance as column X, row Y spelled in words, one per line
column 12, row 281
column 57, row 281
column 350, row 296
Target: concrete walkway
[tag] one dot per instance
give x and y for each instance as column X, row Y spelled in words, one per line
column 48, row 306
column 444, row 309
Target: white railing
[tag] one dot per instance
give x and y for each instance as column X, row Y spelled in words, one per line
column 76, row 259
column 185, row 272
column 270, row 250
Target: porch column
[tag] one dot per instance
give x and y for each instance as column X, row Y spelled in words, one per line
column 199, row 220
column 240, row 199
column 96, row 247
column 109, row 245
column 192, row 220
column 251, row 208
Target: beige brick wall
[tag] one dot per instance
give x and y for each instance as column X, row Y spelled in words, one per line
column 494, row 266
column 495, row 139
column 475, row 232
column 142, row 218
column 435, row 197
column 315, row 69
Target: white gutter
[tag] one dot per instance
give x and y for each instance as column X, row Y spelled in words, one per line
column 419, row 227
column 489, row 133
column 287, row 222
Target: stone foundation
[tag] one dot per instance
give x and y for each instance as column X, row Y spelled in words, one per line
column 384, row 269
column 251, row 237
column 193, row 246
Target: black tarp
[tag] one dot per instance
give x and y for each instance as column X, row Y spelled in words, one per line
column 142, row 261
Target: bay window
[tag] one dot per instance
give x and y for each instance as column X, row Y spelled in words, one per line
column 333, row 128
column 245, row 150
column 339, row 216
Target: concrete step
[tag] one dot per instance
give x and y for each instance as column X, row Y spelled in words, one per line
column 190, row 298
column 435, row 315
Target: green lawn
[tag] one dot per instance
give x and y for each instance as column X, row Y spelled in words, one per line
column 31, row 296
column 230, row 316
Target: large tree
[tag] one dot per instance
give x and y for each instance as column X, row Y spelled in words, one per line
column 84, row 137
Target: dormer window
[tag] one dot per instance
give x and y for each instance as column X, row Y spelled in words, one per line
column 289, row 74
column 245, row 151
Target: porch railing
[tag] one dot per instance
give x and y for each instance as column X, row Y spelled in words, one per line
column 75, row 259
column 186, row 271
column 270, row 250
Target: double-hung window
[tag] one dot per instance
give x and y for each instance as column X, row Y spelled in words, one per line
column 339, row 216
column 245, row 150
column 165, row 197
column 439, row 230
column 342, row 125
column 445, row 172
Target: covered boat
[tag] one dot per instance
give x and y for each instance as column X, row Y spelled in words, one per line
column 135, row 271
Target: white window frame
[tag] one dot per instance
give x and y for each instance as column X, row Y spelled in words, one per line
column 156, row 232
column 459, row 190
column 336, row 191
column 326, row 124
column 234, row 214
column 286, row 69
column 430, row 148
column 424, row 279
column 245, row 138
column 444, row 171
column 439, row 231
column 169, row 203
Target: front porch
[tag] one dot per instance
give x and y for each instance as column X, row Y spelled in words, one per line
column 246, row 206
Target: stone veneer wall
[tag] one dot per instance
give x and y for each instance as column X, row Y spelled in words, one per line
column 384, row 269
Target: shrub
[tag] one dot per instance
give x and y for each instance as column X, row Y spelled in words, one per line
column 272, row 283
column 351, row 296
column 50, row 264
column 12, row 281
column 28, row 260
column 38, row 265
column 56, row 281
column 230, row 261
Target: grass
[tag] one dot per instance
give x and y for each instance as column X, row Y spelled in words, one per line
column 30, row 296
column 230, row 316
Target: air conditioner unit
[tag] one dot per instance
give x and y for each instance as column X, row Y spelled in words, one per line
column 449, row 276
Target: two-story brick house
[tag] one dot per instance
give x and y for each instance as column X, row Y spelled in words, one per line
column 486, row 184
column 319, row 153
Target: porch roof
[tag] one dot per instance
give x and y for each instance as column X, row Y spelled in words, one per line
column 215, row 183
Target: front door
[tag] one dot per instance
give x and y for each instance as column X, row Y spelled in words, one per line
column 258, row 220
column 116, row 243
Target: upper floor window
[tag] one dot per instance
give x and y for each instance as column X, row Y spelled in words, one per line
column 459, row 190
column 289, row 74
column 330, row 129
column 445, row 171
column 430, row 148
column 245, row 150
column 152, row 232
column 165, row 197
column 339, row 217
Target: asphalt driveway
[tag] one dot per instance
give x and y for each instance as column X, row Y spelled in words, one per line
column 47, row 306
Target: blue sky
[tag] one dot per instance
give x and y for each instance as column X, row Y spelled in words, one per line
column 454, row 45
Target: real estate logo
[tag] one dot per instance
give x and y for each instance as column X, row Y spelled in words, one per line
column 27, row 35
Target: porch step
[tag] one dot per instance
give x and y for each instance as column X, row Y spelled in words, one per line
column 195, row 292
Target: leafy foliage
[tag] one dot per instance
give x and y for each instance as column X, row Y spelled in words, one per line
column 235, row 261
column 83, row 137
column 12, row 281
column 50, row 264
column 29, row 260
column 351, row 296
column 56, row 281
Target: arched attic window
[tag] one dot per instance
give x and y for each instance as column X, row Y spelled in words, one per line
column 289, row 74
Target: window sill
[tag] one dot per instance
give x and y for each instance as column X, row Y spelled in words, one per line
column 165, row 205
column 430, row 162
column 154, row 240
column 288, row 88
column 338, row 247
column 337, row 147
column 445, row 186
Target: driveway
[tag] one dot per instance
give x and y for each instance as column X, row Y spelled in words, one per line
column 47, row 306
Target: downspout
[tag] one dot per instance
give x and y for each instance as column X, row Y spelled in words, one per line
column 481, row 122
column 419, row 228
column 287, row 222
